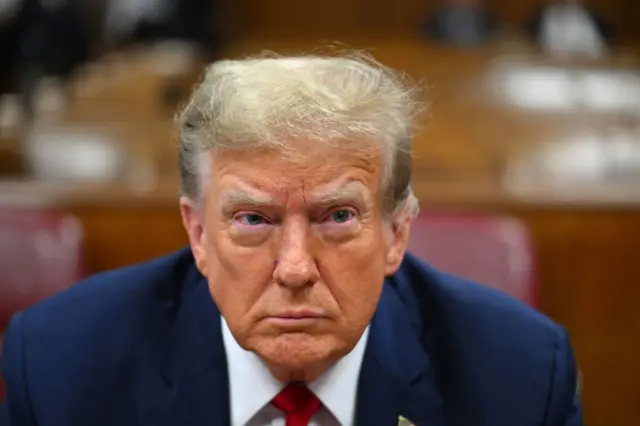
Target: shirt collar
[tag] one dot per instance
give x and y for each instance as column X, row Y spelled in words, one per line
column 251, row 385
column 337, row 388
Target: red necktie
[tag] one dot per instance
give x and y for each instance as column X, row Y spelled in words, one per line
column 298, row 403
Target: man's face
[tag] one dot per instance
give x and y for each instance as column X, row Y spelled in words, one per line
column 295, row 252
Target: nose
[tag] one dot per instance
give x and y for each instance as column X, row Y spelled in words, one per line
column 296, row 266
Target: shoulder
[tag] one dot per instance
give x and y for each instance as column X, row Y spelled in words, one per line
column 465, row 314
column 110, row 316
column 122, row 297
column 95, row 332
column 489, row 345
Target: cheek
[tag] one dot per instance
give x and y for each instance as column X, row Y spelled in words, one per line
column 356, row 292
column 237, row 276
column 354, row 273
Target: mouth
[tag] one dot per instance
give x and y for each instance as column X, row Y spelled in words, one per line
column 300, row 314
column 299, row 318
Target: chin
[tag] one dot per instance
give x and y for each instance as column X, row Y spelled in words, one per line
column 299, row 351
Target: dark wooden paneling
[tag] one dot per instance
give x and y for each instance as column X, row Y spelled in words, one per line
column 117, row 236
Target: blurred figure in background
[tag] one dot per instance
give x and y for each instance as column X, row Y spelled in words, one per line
column 188, row 25
column 45, row 41
column 40, row 39
column 461, row 22
column 191, row 21
column 10, row 13
column 129, row 20
column 571, row 28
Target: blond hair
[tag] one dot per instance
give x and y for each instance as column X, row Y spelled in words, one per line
column 271, row 100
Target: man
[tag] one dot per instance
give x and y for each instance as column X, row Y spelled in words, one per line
column 297, row 202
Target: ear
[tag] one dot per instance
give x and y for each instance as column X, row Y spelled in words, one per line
column 192, row 220
column 399, row 240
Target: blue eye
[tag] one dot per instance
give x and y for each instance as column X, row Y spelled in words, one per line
column 251, row 219
column 341, row 216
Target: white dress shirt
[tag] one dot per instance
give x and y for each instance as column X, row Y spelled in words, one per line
column 252, row 387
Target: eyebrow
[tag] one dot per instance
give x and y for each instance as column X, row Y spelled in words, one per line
column 350, row 191
column 239, row 197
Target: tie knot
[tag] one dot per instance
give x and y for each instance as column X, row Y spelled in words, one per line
column 298, row 401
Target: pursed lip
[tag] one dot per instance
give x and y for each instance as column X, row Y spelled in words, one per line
column 298, row 314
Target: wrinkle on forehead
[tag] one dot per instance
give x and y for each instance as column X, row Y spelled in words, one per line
column 271, row 172
column 305, row 151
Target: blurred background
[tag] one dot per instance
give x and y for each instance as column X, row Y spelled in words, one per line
column 527, row 166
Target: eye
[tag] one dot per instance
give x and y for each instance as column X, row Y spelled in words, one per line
column 341, row 216
column 251, row 219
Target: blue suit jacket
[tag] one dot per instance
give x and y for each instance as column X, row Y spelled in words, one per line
column 143, row 346
column 4, row 415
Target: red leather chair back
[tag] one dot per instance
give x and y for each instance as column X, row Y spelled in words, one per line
column 40, row 254
column 493, row 250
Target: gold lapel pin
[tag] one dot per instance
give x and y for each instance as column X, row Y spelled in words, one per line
column 403, row 421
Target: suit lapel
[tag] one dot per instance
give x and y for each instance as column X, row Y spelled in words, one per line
column 185, row 382
column 397, row 378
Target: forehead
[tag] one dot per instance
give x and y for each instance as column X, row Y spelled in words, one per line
column 305, row 169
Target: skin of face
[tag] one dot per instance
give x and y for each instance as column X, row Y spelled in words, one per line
column 295, row 250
